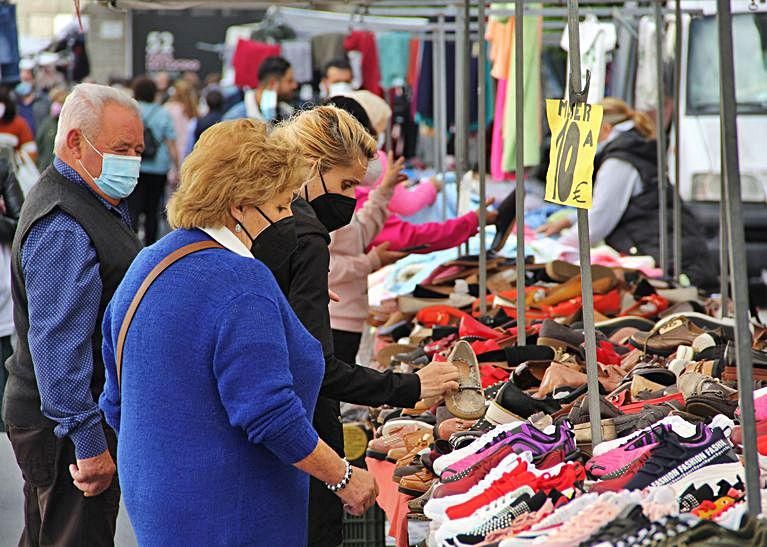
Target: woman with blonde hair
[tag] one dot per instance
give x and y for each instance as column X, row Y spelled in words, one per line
column 182, row 107
column 625, row 206
column 211, row 380
column 338, row 148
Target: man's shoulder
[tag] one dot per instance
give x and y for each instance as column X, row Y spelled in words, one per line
column 235, row 112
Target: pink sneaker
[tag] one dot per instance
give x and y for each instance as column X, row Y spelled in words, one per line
column 614, row 463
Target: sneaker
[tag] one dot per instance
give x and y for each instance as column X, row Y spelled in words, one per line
column 679, row 425
column 613, row 464
column 511, row 403
column 525, row 438
column 562, row 477
column 484, row 442
column 460, row 483
column 628, row 521
column 676, row 457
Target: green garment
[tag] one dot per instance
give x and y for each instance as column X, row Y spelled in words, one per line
column 393, row 56
column 46, row 134
column 531, row 65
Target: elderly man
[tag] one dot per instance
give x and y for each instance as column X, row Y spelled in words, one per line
column 72, row 247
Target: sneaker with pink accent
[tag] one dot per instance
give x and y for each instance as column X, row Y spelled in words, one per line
column 614, row 463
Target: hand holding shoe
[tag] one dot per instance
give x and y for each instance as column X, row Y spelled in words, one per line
column 385, row 256
column 438, row 379
column 93, row 475
column 360, row 494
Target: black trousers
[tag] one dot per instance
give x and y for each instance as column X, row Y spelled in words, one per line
column 146, row 199
column 55, row 512
column 346, row 345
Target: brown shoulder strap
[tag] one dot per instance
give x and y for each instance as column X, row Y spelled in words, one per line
column 173, row 257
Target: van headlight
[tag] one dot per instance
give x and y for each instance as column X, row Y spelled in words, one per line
column 707, row 187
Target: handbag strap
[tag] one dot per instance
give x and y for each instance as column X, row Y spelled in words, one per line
column 163, row 265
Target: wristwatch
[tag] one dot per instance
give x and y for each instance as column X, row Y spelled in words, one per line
column 344, row 481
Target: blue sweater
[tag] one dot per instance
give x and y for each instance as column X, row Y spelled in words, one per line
column 219, row 383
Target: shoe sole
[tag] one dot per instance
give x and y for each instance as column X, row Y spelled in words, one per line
column 376, row 455
column 583, row 431
column 498, row 415
column 703, row 321
column 611, row 326
column 393, row 424
column 731, row 472
column 409, row 492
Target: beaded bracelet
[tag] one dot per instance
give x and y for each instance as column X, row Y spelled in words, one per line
column 345, row 481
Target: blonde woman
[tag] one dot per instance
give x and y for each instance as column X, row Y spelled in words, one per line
column 219, row 379
column 182, row 107
column 625, row 201
column 338, row 149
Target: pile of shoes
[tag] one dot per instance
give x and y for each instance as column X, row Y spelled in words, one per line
column 508, row 459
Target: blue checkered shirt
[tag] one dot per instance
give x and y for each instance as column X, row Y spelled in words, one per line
column 61, row 275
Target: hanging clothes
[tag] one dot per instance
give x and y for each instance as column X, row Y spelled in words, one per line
column 646, row 86
column 394, row 64
column 597, row 39
column 247, row 57
column 414, row 73
column 365, row 42
column 496, row 145
column 531, row 74
column 326, row 48
column 9, row 44
column 299, row 54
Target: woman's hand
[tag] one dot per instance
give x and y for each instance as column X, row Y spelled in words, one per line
column 491, row 217
column 438, row 185
column 438, row 379
column 385, row 256
column 394, row 173
column 554, row 227
column 360, row 494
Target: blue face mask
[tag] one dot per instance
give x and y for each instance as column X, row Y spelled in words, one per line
column 23, row 89
column 119, row 174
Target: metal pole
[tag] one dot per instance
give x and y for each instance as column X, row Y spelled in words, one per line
column 737, row 241
column 466, row 93
column 661, row 140
column 460, row 131
column 677, row 219
column 481, row 158
column 442, row 114
column 724, row 253
column 520, row 179
column 584, row 246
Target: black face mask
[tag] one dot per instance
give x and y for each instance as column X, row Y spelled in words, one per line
column 334, row 210
column 276, row 243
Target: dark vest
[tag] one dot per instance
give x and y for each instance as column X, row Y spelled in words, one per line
column 638, row 230
column 116, row 247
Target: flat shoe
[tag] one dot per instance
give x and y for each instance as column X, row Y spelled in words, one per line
column 468, row 402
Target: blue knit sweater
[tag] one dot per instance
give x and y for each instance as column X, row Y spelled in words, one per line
column 219, row 383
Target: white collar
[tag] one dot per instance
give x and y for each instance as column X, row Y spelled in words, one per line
column 226, row 238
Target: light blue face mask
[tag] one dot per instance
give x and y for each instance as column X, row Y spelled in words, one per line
column 119, row 174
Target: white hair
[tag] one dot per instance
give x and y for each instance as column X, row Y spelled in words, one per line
column 84, row 107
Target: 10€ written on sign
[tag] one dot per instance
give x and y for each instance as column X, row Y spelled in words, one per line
column 574, row 135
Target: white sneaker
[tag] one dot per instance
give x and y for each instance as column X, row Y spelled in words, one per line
column 435, row 508
column 443, row 462
column 680, row 426
column 711, row 475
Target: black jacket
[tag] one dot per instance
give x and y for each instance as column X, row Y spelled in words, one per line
column 304, row 280
column 13, row 198
column 637, row 231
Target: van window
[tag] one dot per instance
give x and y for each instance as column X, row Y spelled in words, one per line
column 749, row 33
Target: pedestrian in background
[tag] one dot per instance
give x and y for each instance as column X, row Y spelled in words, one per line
column 215, row 103
column 159, row 158
column 73, row 245
column 32, row 105
column 11, row 199
column 182, row 107
column 46, row 133
column 14, row 130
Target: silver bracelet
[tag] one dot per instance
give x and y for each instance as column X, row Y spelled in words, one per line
column 345, row 481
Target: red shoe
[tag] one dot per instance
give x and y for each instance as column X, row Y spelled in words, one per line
column 481, row 347
column 464, row 481
column 609, row 303
column 439, row 315
column 491, row 375
column 471, row 327
column 606, row 353
column 648, row 306
column 624, row 403
column 440, row 345
column 508, row 482
column 618, row 483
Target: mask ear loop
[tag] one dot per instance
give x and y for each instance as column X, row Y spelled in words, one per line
column 263, row 215
column 239, row 226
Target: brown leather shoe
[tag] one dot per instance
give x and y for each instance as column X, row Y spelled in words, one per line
column 666, row 339
column 453, row 425
column 379, row 447
column 412, row 441
column 417, row 484
column 603, row 281
column 560, row 375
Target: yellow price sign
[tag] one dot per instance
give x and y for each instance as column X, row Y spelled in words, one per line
column 574, row 135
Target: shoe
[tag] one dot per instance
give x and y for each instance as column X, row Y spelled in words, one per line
column 416, row 505
column 731, row 473
column 423, row 421
column 468, row 402
column 666, row 337
column 525, row 438
column 414, row 442
column 417, row 484
column 707, row 533
column 459, row 483
column 709, row 405
column 628, row 521
column 603, row 280
column 512, row 404
column 560, row 271
column 694, row 384
column 611, row 326
column 621, row 481
column 558, row 336
column 478, row 444
column 676, row 457
column 645, row 418
column 380, row 447
column 647, row 307
column 451, row 426
column 616, row 462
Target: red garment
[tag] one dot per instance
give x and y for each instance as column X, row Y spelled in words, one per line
column 365, row 43
column 247, row 58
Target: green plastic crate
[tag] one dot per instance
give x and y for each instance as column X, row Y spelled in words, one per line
column 367, row 530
